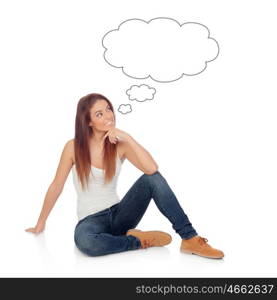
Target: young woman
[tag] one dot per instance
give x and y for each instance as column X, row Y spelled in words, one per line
column 107, row 224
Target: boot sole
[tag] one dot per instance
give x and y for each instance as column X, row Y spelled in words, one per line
column 190, row 252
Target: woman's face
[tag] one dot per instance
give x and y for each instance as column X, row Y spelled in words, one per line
column 101, row 116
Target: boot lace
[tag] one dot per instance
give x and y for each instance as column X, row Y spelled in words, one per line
column 147, row 243
column 203, row 240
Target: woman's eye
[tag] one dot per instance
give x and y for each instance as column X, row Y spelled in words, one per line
column 101, row 113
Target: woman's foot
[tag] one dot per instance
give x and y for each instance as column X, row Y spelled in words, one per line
column 151, row 238
column 198, row 245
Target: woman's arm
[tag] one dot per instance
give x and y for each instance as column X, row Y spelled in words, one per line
column 133, row 151
column 138, row 156
column 55, row 188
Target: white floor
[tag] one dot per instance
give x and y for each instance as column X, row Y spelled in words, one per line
column 249, row 252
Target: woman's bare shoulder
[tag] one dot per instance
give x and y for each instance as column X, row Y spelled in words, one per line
column 70, row 144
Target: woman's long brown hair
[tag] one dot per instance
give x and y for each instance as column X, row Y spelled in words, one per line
column 83, row 133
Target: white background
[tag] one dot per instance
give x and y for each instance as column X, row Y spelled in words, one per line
column 213, row 136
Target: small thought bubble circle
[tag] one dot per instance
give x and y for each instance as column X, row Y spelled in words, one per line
column 125, row 108
column 140, row 93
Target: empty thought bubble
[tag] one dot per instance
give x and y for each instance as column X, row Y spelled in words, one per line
column 140, row 93
column 125, row 108
column 161, row 49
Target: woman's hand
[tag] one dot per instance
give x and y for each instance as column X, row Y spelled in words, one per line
column 38, row 229
column 115, row 135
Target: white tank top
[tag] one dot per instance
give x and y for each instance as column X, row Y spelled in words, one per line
column 97, row 196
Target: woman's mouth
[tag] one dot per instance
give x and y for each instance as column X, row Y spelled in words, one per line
column 109, row 123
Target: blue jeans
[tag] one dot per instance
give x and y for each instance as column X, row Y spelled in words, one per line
column 104, row 232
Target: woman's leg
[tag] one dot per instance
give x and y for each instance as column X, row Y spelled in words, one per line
column 93, row 236
column 129, row 211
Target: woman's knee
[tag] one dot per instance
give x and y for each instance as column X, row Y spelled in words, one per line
column 89, row 244
column 154, row 180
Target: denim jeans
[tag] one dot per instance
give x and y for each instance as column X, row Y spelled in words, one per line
column 105, row 232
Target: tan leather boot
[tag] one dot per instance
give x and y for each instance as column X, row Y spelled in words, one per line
column 151, row 238
column 198, row 245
